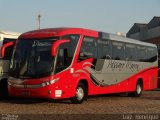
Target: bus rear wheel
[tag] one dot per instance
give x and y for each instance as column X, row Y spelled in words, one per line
column 138, row 91
column 81, row 94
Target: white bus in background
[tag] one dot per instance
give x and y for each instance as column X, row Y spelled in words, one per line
column 5, row 37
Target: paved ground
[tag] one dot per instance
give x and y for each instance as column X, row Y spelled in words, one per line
column 148, row 103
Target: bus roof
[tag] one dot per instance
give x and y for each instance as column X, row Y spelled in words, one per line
column 124, row 39
column 50, row 32
column 129, row 40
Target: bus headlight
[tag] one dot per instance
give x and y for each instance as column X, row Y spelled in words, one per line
column 43, row 84
column 54, row 80
column 49, row 82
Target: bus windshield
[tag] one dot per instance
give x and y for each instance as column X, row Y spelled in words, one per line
column 32, row 58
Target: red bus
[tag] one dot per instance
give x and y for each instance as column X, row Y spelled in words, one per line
column 74, row 63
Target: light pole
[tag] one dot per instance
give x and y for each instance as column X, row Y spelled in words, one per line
column 39, row 21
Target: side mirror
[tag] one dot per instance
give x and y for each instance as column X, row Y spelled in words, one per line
column 56, row 44
column 3, row 48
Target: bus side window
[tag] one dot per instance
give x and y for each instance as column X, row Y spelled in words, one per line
column 118, row 52
column 151, row 54
column 88, row 49
column 66, row 52
column 104, row 49
column 131, row 52
column 63, row 60
column 141, row 53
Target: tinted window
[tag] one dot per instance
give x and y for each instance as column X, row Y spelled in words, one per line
column 141, row 54
column 6, row 40
column 151, row 54
column 8, row 51
column 104, row 49
column 88, row 48
column 131, row 52
column 118, row 51
column 66, row 52
column 32, row 58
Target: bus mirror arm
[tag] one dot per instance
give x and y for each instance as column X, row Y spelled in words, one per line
column 56, row 44
column 3, row 48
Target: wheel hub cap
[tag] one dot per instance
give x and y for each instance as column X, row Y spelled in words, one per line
column 139, row 89
column 79, row 93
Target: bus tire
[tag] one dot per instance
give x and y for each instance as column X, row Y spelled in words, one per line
column 3, row 88
column 81, row 94
column 138, row 91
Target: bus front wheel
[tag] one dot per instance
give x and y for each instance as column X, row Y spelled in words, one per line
column 138, row 91
column 81, row 94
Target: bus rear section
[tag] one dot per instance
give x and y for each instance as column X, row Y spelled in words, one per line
column 73, row 63
column 119, row 64
column 5, row 38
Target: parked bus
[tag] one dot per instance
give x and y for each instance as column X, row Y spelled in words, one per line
column 74, row 63
column 5, row 38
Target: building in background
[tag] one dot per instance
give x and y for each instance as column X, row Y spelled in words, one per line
column 148, row 33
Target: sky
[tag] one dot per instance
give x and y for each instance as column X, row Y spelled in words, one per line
column 103, row 15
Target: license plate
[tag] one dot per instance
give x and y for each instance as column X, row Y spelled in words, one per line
column 25, row 93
